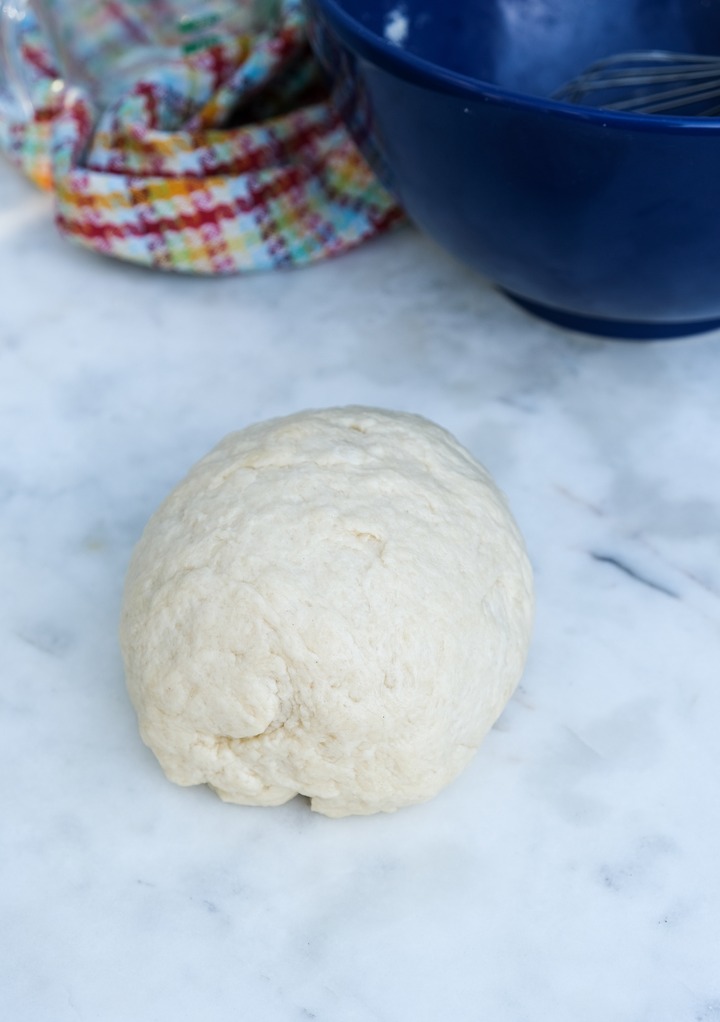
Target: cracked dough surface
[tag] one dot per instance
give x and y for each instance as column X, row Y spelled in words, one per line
column 337, row 603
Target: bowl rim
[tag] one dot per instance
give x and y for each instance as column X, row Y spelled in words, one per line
column 420, row 71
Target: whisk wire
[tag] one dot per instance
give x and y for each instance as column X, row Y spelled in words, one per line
column 654, row 81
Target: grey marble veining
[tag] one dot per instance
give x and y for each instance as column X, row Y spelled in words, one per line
column 571, row 873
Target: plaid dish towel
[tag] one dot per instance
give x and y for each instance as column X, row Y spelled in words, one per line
column 194, row 140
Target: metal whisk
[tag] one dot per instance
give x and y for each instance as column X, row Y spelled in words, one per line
column 649, row 82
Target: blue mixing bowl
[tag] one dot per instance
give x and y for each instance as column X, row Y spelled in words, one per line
column 603, row 222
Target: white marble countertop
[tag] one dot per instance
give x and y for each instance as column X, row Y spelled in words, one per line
column 572, row 874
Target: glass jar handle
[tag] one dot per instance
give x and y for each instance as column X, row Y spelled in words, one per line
column 15, row 101
column 197, row 28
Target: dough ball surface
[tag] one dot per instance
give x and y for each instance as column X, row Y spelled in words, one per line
column 337, row 603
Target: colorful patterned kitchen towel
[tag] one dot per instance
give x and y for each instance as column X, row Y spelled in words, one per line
column 200, row 141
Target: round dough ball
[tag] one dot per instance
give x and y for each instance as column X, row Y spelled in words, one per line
column 337, row 604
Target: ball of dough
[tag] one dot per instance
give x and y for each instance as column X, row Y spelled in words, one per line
column 337, row 604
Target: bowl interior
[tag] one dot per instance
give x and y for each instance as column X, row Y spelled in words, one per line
column 534, row 46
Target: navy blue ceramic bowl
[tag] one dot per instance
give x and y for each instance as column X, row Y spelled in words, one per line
column 604, row 222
